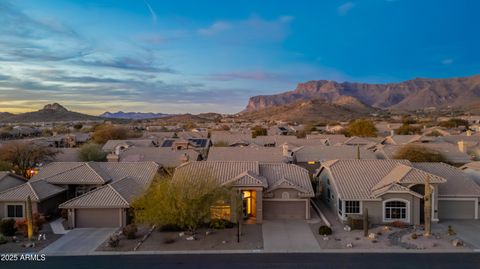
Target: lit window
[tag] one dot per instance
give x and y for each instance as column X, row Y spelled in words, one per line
column 311, row 162
column 395, row 210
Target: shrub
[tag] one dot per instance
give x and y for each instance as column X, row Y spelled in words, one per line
column 324, row 230
column 38, row 221
column 130, row 231
column 221, row 224
column 113, row 241
column 7, row 227
column 414, row 236
column 355, row 223
column 450, row 230
column 398, row 224
column 170, row 228
column 3, row 239
column 169, row 240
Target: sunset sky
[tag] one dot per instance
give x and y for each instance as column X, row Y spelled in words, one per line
column 200, row 56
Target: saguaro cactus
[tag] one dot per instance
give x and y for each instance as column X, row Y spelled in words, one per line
column 427, row 210
column 29, row 218
column 365, row 222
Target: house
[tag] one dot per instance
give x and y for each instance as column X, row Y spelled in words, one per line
column 108, row 204
column 45, row 199
column 116, row 146
column 458, row 197
column 166, row 157
column 473, row 169
column 9, row 180
column 311, row 157
column 391, row 190
column 269, row 190
column 260, row 154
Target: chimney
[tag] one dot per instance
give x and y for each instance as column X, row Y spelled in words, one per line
column 358, row 152
column 112, row 158
column 469, row 133
column 392, row 132
column 184, row 158
column 286, row 153
column 461, row 146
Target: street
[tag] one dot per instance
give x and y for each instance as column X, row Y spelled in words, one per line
column 266, row 260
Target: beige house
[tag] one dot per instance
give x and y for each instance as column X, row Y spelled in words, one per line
column 393, row 190
column 269, row 190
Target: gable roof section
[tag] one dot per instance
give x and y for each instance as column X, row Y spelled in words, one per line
column 458, row 182
column 405, row 174
column 393, row 188
column 223, row 171
column 248, row 178
column 260, row 154
column 287, row 175
column 322, row 153
column 37, row 190
column 167, row 157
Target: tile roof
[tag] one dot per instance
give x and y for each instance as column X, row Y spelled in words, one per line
column 260, row 154
column 458, row 182
column 287, row 175
column 166, row 157
column 119, row 194
column 112, row 144
column 323, row 153
column 37, row 190
column 95, row 172
column 405, row 174
column 223, row 171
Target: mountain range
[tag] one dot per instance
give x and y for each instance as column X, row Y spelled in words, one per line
column 132, row 115
column 410, row 95
column 49, row 113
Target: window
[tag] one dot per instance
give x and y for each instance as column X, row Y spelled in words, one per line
column 395, row 210
column 15, row 211
column 340, row 207
column 352, row 207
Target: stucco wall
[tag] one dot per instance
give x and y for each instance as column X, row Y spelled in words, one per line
column 3, row 210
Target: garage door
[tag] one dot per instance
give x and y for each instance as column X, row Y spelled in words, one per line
column 451, row 209
column 94, row 218
column 283, row 209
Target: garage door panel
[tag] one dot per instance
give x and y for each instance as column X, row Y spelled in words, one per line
column 456, row 209
column 284, row 209
column 97, row 218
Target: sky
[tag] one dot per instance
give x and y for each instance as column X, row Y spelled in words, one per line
column 194, row 56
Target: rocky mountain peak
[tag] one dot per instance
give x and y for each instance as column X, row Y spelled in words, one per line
column 55, row 107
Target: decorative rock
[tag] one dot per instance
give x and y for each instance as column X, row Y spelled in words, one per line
column 438, row 237
column 372, row 236
column 224, row 242
column 44, row 237
column 374, row 241
column 357, row 238
column 350, row 245
column 190, row 238
column 181, row 234
column 208, row 232
column 387, row 228
column 457, row 242
column 338, row 239
column 347, row 228
column 434, row 245
column 325, row 238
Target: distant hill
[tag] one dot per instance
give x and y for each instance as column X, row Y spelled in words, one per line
column 202, row 117
column 312, row 110
column 410, row 95
column 132, row 115
column 49, row 113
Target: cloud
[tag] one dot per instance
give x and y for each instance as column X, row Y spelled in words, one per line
column 152, row 12
column 345, row 8
column 215, row 28
column 448, row 61
column 125, row 62
column 250, row 75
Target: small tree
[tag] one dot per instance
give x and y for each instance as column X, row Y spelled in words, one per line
column 407, row 129
column 103, row 133
column 259, row 131
column 417, row 153
column 91, row 152
column 184, row 202
column 25, row 155
column 362, row 128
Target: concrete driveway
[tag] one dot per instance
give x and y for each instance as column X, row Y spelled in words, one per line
column 467, row 230
column 80, row 241
column 288, row 236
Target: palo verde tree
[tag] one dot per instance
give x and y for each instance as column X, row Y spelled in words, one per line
column 180, row 201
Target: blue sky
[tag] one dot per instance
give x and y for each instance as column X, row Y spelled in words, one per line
column 199, row 56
